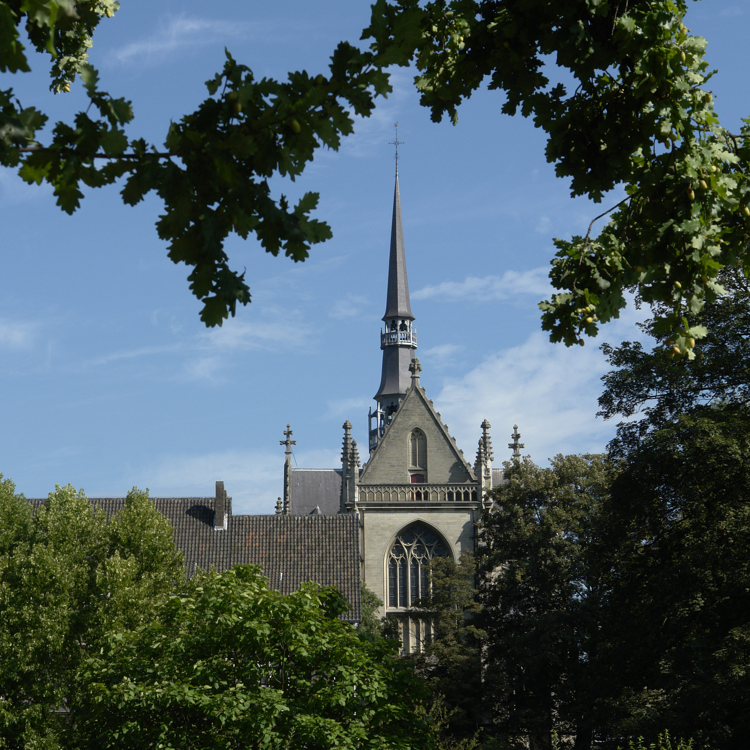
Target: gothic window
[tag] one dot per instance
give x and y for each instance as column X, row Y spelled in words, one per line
column 417, row 450
column 408, row 580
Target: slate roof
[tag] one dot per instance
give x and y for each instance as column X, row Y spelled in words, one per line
column 315, row 488
column 290, row 549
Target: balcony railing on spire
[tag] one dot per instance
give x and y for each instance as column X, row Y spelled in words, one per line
column 404, row 338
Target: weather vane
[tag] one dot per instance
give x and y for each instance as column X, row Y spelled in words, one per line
column 396, row 143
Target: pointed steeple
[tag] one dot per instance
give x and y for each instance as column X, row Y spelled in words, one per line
column 397, row 302
column 398, row 339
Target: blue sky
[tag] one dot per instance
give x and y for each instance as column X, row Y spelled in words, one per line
column 108, row 379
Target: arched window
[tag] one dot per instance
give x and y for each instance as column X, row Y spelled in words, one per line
column 408, row 566
column 417, row 450
column 409, row 563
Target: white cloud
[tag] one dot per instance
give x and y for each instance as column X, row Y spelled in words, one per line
column 550, row 391
column 17, row 335
column 179, row 33
column 373, row 132
column 510, row 284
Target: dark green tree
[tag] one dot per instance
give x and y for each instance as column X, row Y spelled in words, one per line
column 66, row 578
column 234, row 664
column 677, row 617
column 541, row 592
column 452, row 661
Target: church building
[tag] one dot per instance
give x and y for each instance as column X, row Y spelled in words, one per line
column 416, row 496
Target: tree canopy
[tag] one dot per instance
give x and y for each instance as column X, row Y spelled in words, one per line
column 619, row 89
column 232, row 663
column 657, row 388
column 67, row 577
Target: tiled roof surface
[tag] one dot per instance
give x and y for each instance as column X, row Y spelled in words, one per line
column 315, row 488
column 294, row 549
column 290, row 549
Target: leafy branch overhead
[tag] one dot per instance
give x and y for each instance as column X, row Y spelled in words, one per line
column 624, row 105
column 619, row 87
column 214, row 169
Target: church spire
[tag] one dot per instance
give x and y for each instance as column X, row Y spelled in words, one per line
column 397, row 301
column 398, row 339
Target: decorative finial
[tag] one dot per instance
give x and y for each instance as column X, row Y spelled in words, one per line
column 415, row 368
column 288, row 442
column 279, row 507
column 396, row 143
column 515, row 445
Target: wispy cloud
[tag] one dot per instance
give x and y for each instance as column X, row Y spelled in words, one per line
column 347, row 408
column 443, row 355
column 371, row 133
column 543, row 226
column 181, row 33
column 510, row 284
column 15, row 335
column 209, row 369
column 144, row 351
column 349, row 306
column 14, row 191
column 286, row 329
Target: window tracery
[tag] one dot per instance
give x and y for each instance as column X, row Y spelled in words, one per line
column 408, row 567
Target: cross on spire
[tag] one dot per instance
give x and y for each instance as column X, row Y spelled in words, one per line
column 396, row 143
column 515, row 446
column 288, row 442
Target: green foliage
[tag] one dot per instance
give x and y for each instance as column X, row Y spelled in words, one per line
column 661, row 387
column 370, row 626
column 678, row 540
column 663, row 742
column 233, row 663
column 624, row 103
column 541, row 591
column 452, row 662
column 214, row 169
column 66, row 576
